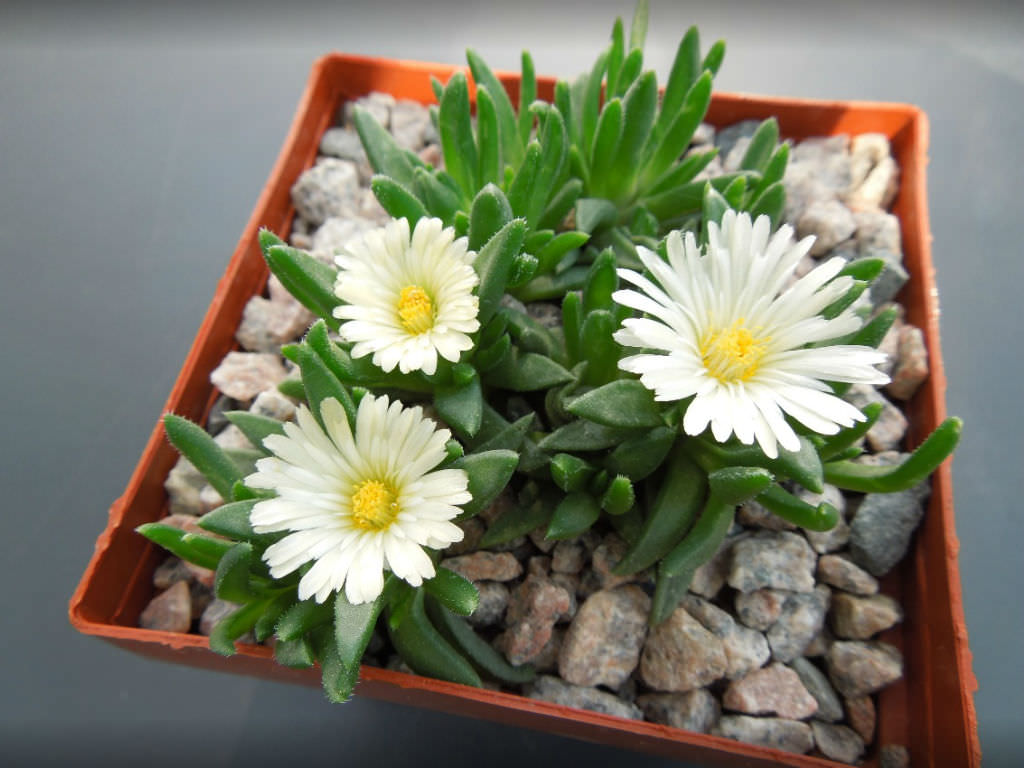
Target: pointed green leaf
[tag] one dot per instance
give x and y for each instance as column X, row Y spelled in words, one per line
column 353, row 627
column 397, row 200
column 638, row 29
column 489, row 168
column 593, row 214
column 461, row 406
column 619, row 497
column 200, row 550
column 638, row 457
column 583, row 435
column 771, row 203
column 615, row 55
column 455, row 592
column 295, row 654
column 232, row 578
column 494, row 266
column 425, row 651
column 321, row 384
column 576, row 513
column 572, row 325
column 303, row 617
column 477, row 650
column 384, row 154
column 605, row 147
column 438, row 198
column 233, row 626
column 505, row 124
column 684, row 72
column 490, row 212
column 518, row 520
column 673, row 143
column 638, row 110
column 489, row 473
column 600, row 350
column 527, row 94
column 622, row 403
column 762, row 145
column 231, row 520
column 457, row 143
column 822, row 517
column 571, row 473
column 560, row 204
column 551, row 253
column 527, row 372
column 601, row 283
column 193, row 442
column 713, row 60
column 255, row 427
column 552, row 287
column 310, row 281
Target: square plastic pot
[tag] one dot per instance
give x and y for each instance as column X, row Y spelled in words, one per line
column 931, row 710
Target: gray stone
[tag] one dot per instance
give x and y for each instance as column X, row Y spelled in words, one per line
column 837, row 742
column 839, row 572
column 829, row 221
column 887, row 433
column 494, row 597
column 547, row 313
column 217, row 610
column 605, row 557
column 570, row 582
column 860, row 618
column 892, row 278
column 912, row 369
column 878, row 231
column 818, row 169
column 377, row 104
column 485, row 566
column 696, row 710
column 243, row 375
column 710, row 577
column 680, row 655
column 819, row 644
column 860, row 714
column 745, row 649
column 780, row 560
column 602, row 645
column 343, row 143
column 773, row 690
column 890, row 345
column 325, row 190
column 754, row 515
column 776, row 732
column 734, row 157
column 183, row 485
column 539, row 565
column 857, row 668
column 802, row 617
column 893, row 756
column 705, row 134
column 266, row 324
column 209, row 499
column 170, row 611
column 534, row 608
column 881, row 530
column 547, row 659
column 761, row 608
column 552, row 689
column 273, row 405
column 568, row 557
column 830, row 708
column 409, row 122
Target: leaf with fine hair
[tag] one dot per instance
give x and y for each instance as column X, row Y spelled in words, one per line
column 196, row 445
column 457, row 142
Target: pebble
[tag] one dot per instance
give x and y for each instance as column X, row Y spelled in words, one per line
column 485, row 566
column 823, row 542
column 409, row 123
column 776, row 732
column 605, row 557
column 343, row 143
column 860, row 714
column 887, row 433
column 266, row 324
column 912, row 368
column 878, row 232
column 534, row 608
column 216, row 611
column 819, row 644
column 773, row 690
column 473, row 530
column 539, row 565
column 378, row 104
column 710, row 577
column 494, row 597
column 751, row 514
column 891, row 280
column 893, row 756
column 840, row 572
column 838, row 742
column 705, row 134
column 568, row 557
column 881, row 530
column 860, row 618
column 273, row 405
column 680, row 655
column 327, row 189
column 801, row 619
column 170, row 611
column 243, row 375
column 857, row 668
column 548, row 688
column 697, row 710
column 183, row 485
column 547, row 659
column 818, row 169
column 725, row 139
column 570, row 582
column 761, row 608
column 874, row 177
column 779, row 560
column 602, row 645
column 336, row 233
column 829, row 221
column 830, row 708
column 890, row 345
column 547, row 313
column 745, row 648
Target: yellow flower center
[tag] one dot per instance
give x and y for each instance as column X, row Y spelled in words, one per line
column 415, row 310
column 374, row 507
column 734, row 353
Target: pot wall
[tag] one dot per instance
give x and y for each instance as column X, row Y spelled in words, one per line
column 931, row 710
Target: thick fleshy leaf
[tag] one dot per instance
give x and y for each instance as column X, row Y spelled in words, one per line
column 267, row 621
column 384, row 154
column 770, row 203
column 576, row 513
column 527, row 372
column 600, row 349
column 601, row 283
column 296, row 654
column 426, row 652
column 478, row 651
column 489, row 473
column 517, row 520
column 455, row 592
column 303, row 617
column 489, row 168
column 494, row 264
column 255, row 427
column 200, row 550
column 505, row 124
column 320, row 384
column 622, row 403
column 233, row 626
column 310, row 281
column 461, row 406
column 820, row 517
column 571, row 473
column 582, row 435
column 353, row 627
column 762, row 146
column 527, row 94
column 667, row 148
column 619, row 497
column 457, row 142
column 397, row 200
column 196, row 445
column 231, row 520
column 638, row 457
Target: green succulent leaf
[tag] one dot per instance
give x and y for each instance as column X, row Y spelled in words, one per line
column 233, row 626
column 461, row 406
column 582, row 435
column 762, row 146
column 640, row 456
column 474, row 648
column 576, row 513
column 200, row 550
column 527, row 94
column 506, row 127
column 255, row 427
column 231, row 520
column 820, row 517
column 622, row 403
column 196, row 445
column 384, row 154
column 303, row 617
column 397, row 200
column 494, row 264
column 321, row 384
column 310, row 281
column 455, row 592
column 619, row 497
column 295, row 654
column 232, row 578
column 527, row 372
column 457, row 143
column 489, row 473
column 353, row 628
column 571, row 473
column 423, row 648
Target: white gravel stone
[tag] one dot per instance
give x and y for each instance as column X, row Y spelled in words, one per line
column 325, row 190
column 266, row 324
column 780, row 560
column 858, row 668
column 243, row 375
column 273, row 405
column 829, row 221
column 745, row 649
column 887, row 433
column 773, row 690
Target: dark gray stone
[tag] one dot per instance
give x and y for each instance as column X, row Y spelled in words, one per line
column 781, row 560
column 881, row 530
column 696, row 710
column 838, row 742
column 801, row 619
column 788, row 735
column 552, row 689
column 830, row 708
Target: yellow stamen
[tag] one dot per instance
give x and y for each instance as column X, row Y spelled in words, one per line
column 374, row 507
column 734, row 353
column 415, row 309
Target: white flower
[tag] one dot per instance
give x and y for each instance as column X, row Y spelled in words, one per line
column 408, row 300
column 358, row 505
column 730, row 334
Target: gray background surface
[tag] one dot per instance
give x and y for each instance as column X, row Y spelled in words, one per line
column 133, row 142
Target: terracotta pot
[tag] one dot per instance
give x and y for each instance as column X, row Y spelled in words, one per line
column 931, row 710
